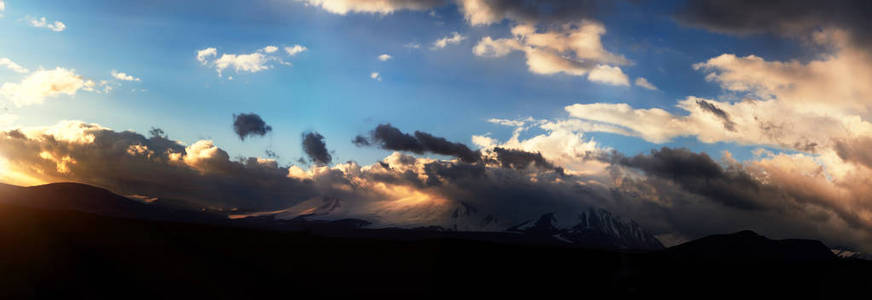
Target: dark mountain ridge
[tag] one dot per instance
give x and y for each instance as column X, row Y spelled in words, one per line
column 749, row 246
column 593, row 228
column 99, row 201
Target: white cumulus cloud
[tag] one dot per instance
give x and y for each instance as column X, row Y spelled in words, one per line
column 260, row 60
column 608, row 75
column 574, row 49
column 42, row 84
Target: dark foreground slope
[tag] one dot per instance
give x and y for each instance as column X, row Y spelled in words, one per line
column 62, row 254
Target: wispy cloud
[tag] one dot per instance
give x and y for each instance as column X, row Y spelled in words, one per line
column 11, row 65
column 56, row 26
column 452, row 39
column 123, row 76
column 295, row 49
column 644, row 83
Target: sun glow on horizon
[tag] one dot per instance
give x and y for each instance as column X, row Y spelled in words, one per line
column 10, row 176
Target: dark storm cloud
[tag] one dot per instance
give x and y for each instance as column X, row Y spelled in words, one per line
column 442, row 146
column 733, row 185
column 545, row 10
column 858, row 150
column 783, row 17
column 315, row 148
column 690, row 195
column 721, row 114
column 699, row 174
column 519, row 159
column 246, row 125
column 360, row 141
column 390, row 138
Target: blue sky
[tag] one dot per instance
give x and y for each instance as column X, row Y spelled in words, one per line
column 448, row 91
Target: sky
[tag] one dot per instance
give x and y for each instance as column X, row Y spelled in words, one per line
column 691, row 118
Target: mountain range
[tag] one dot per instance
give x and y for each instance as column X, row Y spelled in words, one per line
column 77, row 241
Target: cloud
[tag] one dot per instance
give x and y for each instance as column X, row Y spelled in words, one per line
column 563, row 144
column 555, row 36
column 698, row 173
column 382, row 7
column 2, row 5
column 43, row 84
column 644, row 83
column 270, row 49
column 384, row 57
column 833, row 83
column 295, row 49
column 390, row 138
column 246, row 125
column 123, row 76
column 203, row 55
column 484, row 12
column 315, row 148
column 749, row 122
column 808, row 107
column 781, row 195
column 519, row 159
column 783, row 17
column 452, row 39
column 855, row 150
column 672, row 192
column 129, row 163
column 477, row 12
column 678, row 193
column 56, row 26
column 400, row 191
column 375, row 75
column 608, row 75
column 573, row 49
column 11, row 65
column 483, row 141
column 254, row 62
column 513, row 123
column 728, row 124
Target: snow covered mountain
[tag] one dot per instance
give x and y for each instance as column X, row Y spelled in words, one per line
column 595, row 228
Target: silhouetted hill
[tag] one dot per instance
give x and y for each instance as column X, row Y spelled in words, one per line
column 750, row 246
column 95, row 200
